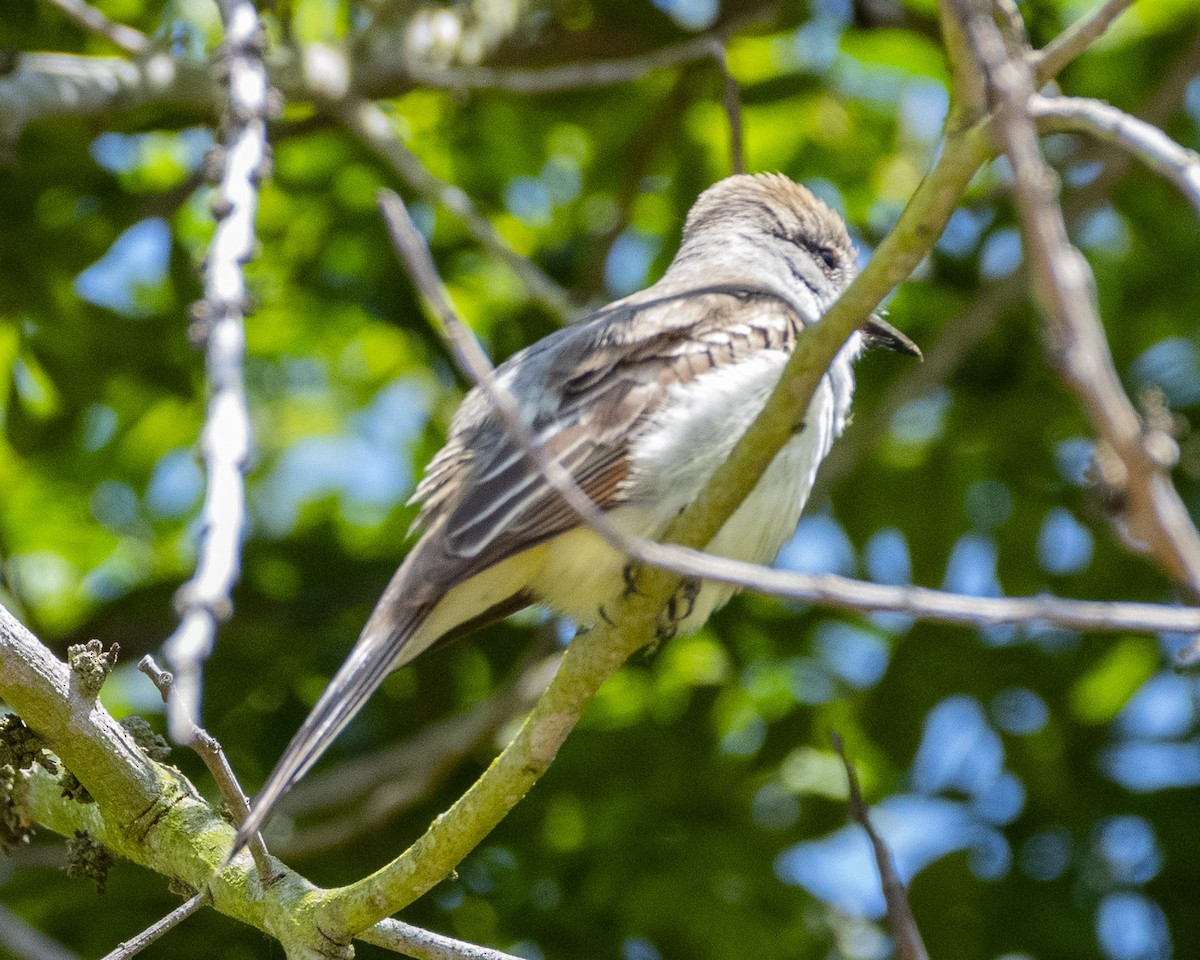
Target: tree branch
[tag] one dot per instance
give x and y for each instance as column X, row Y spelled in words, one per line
column 910, row 945
column 131, row 948
column 1048, row 62
column 211, row 752
column 426, row 945
column 51, row 85
column 555, row 79
column 371, row 125
column 1141, row 140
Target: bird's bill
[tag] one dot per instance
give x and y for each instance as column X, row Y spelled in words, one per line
column 877, row 332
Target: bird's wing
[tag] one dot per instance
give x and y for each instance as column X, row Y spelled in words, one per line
column 485, row 500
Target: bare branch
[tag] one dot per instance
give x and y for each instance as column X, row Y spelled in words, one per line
column 204, row 602
column 922, row 603
column 26, row 943
column 967, row 104
column 132, row 41
column 372, row 125
column 425, row 945
column 211, row 752
column 139, row 943
column 1142, row 140
column 900, row 918
column 93, row 746
column 1049, row 61
column 471, row 359
column 1141, row 453
column 963, row 332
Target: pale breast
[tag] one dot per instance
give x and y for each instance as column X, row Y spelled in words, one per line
column 674, row 458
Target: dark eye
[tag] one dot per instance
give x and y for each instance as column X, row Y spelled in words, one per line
column 829, row 257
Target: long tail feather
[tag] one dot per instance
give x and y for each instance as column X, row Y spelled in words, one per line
column 372, row 659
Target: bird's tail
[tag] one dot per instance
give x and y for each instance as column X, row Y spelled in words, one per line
column 375, row 655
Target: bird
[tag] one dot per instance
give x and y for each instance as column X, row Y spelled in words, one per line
column 639, row 402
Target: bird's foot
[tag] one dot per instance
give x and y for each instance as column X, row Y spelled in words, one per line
column 678, row 609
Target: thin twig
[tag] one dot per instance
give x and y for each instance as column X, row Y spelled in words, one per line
column 213, row 755
column 900, row 918
column 366, row 120
column 1138, row 454
column 132, row 41
column 1142, row 140
column 425, row 944
column 205, row 601
column 139, row 943
column 414, row 254
column 1076, row 38
column 923, row 603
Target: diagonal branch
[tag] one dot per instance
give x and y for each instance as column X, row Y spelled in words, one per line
column 910, row 945
column 131, row 948
column 421, row 944
column 371, row 125
column 213, row 755
column 559, row 78
column 1050, row 60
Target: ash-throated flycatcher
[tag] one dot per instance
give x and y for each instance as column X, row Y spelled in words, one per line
column 640, row 403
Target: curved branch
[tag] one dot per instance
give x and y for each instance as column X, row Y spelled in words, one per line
column 1140, row 454
column 568, row 76
column 1143, row 141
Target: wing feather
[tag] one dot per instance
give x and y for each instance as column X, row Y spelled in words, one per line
column 587, row 392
